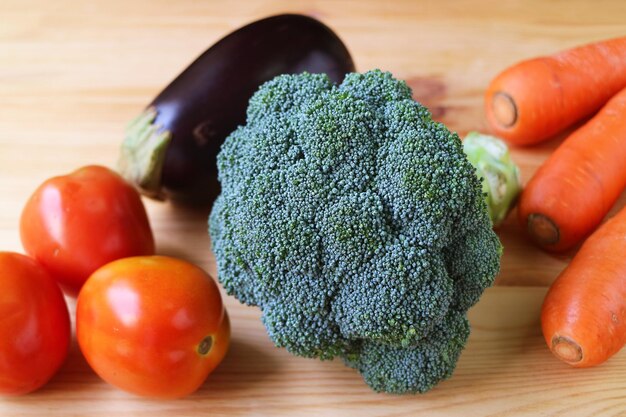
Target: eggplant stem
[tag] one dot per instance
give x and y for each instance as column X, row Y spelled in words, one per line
column 143, row 154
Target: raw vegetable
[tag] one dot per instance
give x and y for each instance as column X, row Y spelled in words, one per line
column 357, row 225
column 170, row 149
column 537, row 98
column 73, row 224
column 576, row 187
column 499, row 174
column 34, row 325
column 584, row 313
column 153, row 326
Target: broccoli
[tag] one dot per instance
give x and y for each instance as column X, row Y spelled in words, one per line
column 358, row 226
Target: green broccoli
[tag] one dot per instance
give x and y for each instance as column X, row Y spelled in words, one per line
column 357, row 225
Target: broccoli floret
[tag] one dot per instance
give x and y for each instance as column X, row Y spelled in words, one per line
column 357, row 225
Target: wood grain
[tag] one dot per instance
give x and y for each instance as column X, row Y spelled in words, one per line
column 73, row 73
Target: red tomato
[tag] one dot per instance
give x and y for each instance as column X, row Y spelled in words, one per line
column 74, row 224
column 152, row 325
column 34, row 325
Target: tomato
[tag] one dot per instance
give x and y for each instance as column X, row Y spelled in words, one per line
column 152, row 325
column 34, row 325
column 74, row 224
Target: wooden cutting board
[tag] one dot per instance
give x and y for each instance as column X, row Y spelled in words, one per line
column 73, row 73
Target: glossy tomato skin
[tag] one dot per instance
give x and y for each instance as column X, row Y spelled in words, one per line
column 73, row 224
column 34, row 325
column 154, row 326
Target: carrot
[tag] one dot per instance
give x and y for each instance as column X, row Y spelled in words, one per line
column 537, row 98
column 584, row 313
column 578, row 184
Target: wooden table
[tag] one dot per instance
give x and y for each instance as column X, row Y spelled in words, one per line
column 73, row 73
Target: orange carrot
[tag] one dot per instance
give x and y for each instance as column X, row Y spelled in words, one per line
column 537, row 98
column 576, row 187
column 584, row 313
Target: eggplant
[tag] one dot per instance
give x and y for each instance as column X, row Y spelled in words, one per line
column 170, row 149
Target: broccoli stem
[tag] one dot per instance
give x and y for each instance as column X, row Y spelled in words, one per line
column 499, row 174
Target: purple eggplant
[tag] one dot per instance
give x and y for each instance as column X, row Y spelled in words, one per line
column 170, row 149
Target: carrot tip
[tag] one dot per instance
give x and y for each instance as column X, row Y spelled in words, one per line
column 504, row 109
column 567, row 350
column 542, row 229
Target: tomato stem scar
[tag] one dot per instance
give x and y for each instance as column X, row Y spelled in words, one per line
column 205, row 345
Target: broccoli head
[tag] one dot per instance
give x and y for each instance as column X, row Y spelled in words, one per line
column 357, row 225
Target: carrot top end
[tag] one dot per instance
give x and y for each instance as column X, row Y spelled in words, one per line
column 542, row 229
column 504, row 109
column 567, row 350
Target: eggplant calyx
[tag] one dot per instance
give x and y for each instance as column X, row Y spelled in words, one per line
column 143, row 154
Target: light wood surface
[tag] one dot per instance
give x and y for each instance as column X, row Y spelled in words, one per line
column 506, row 370
column 73, row 73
